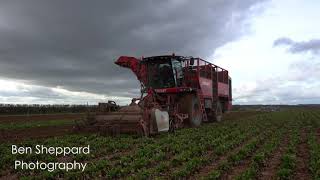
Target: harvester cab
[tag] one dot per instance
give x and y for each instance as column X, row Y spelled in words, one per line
column 163, row 72
column 176, row 91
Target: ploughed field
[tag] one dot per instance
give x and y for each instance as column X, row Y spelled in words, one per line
column 247, row 145
column 21, row 127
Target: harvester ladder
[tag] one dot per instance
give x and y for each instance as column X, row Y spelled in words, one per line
column 202, row 108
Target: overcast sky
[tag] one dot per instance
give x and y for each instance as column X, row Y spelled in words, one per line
column 57, row 51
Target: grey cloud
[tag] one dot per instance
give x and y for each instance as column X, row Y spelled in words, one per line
column 299, row 85
column 312, row 45
column 278, row 93
column 305, row 71
column 283, row 41
column 26, row 94
column 74, row 43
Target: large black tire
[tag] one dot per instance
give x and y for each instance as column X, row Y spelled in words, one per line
column 218, row 112
column 190, row 105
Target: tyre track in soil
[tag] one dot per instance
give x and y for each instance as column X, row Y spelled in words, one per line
column 208, row 153
column 113, row 158
column 153, row 164
column 203, row 172
column 302, row 170
column 237, row 169
column 274, row 161
column 216, row 162
column 318, row 135
column 168, row 158
column 244, row 164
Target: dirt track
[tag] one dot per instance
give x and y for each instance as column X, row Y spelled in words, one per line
column 42, row 117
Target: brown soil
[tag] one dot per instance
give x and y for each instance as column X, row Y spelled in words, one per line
column 270, row 169
column 37, row 132
column 242, row 166
column 65, row 159
column 166, row 175
column 318, row 135
column 237, row 169
column 43, row 117
column 216, row 162
column 44, row 132
column 302, row 171
column 115, row 155
column 73, row 116
column 9, row 176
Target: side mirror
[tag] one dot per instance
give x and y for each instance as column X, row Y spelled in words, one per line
column 191, row 61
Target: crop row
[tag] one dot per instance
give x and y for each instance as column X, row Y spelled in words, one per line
column 144, row 150
column 260, row 158
column 171, row 152
column 187, row 153
column 237, row 157
column 188, row 156
column 288, row 160
column 314, row 155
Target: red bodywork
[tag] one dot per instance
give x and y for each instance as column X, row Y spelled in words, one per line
column 209, row 82
column 206, row 87
column 134, row 64
column 207, row 78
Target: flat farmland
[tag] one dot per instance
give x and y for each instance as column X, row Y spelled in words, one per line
column 247, row 145
column 21, row 127
column 38, row 117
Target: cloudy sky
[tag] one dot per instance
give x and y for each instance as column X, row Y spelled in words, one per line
column 56, row 51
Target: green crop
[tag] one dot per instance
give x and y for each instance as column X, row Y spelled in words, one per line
column 186, row 153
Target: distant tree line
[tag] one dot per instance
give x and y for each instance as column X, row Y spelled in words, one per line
column 272, row 107
column 12, row 109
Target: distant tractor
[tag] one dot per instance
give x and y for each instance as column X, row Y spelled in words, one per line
column 176, row 92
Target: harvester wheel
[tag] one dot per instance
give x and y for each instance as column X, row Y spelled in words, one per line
column 171, row 126
column 218, row 112
column 191, row 106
